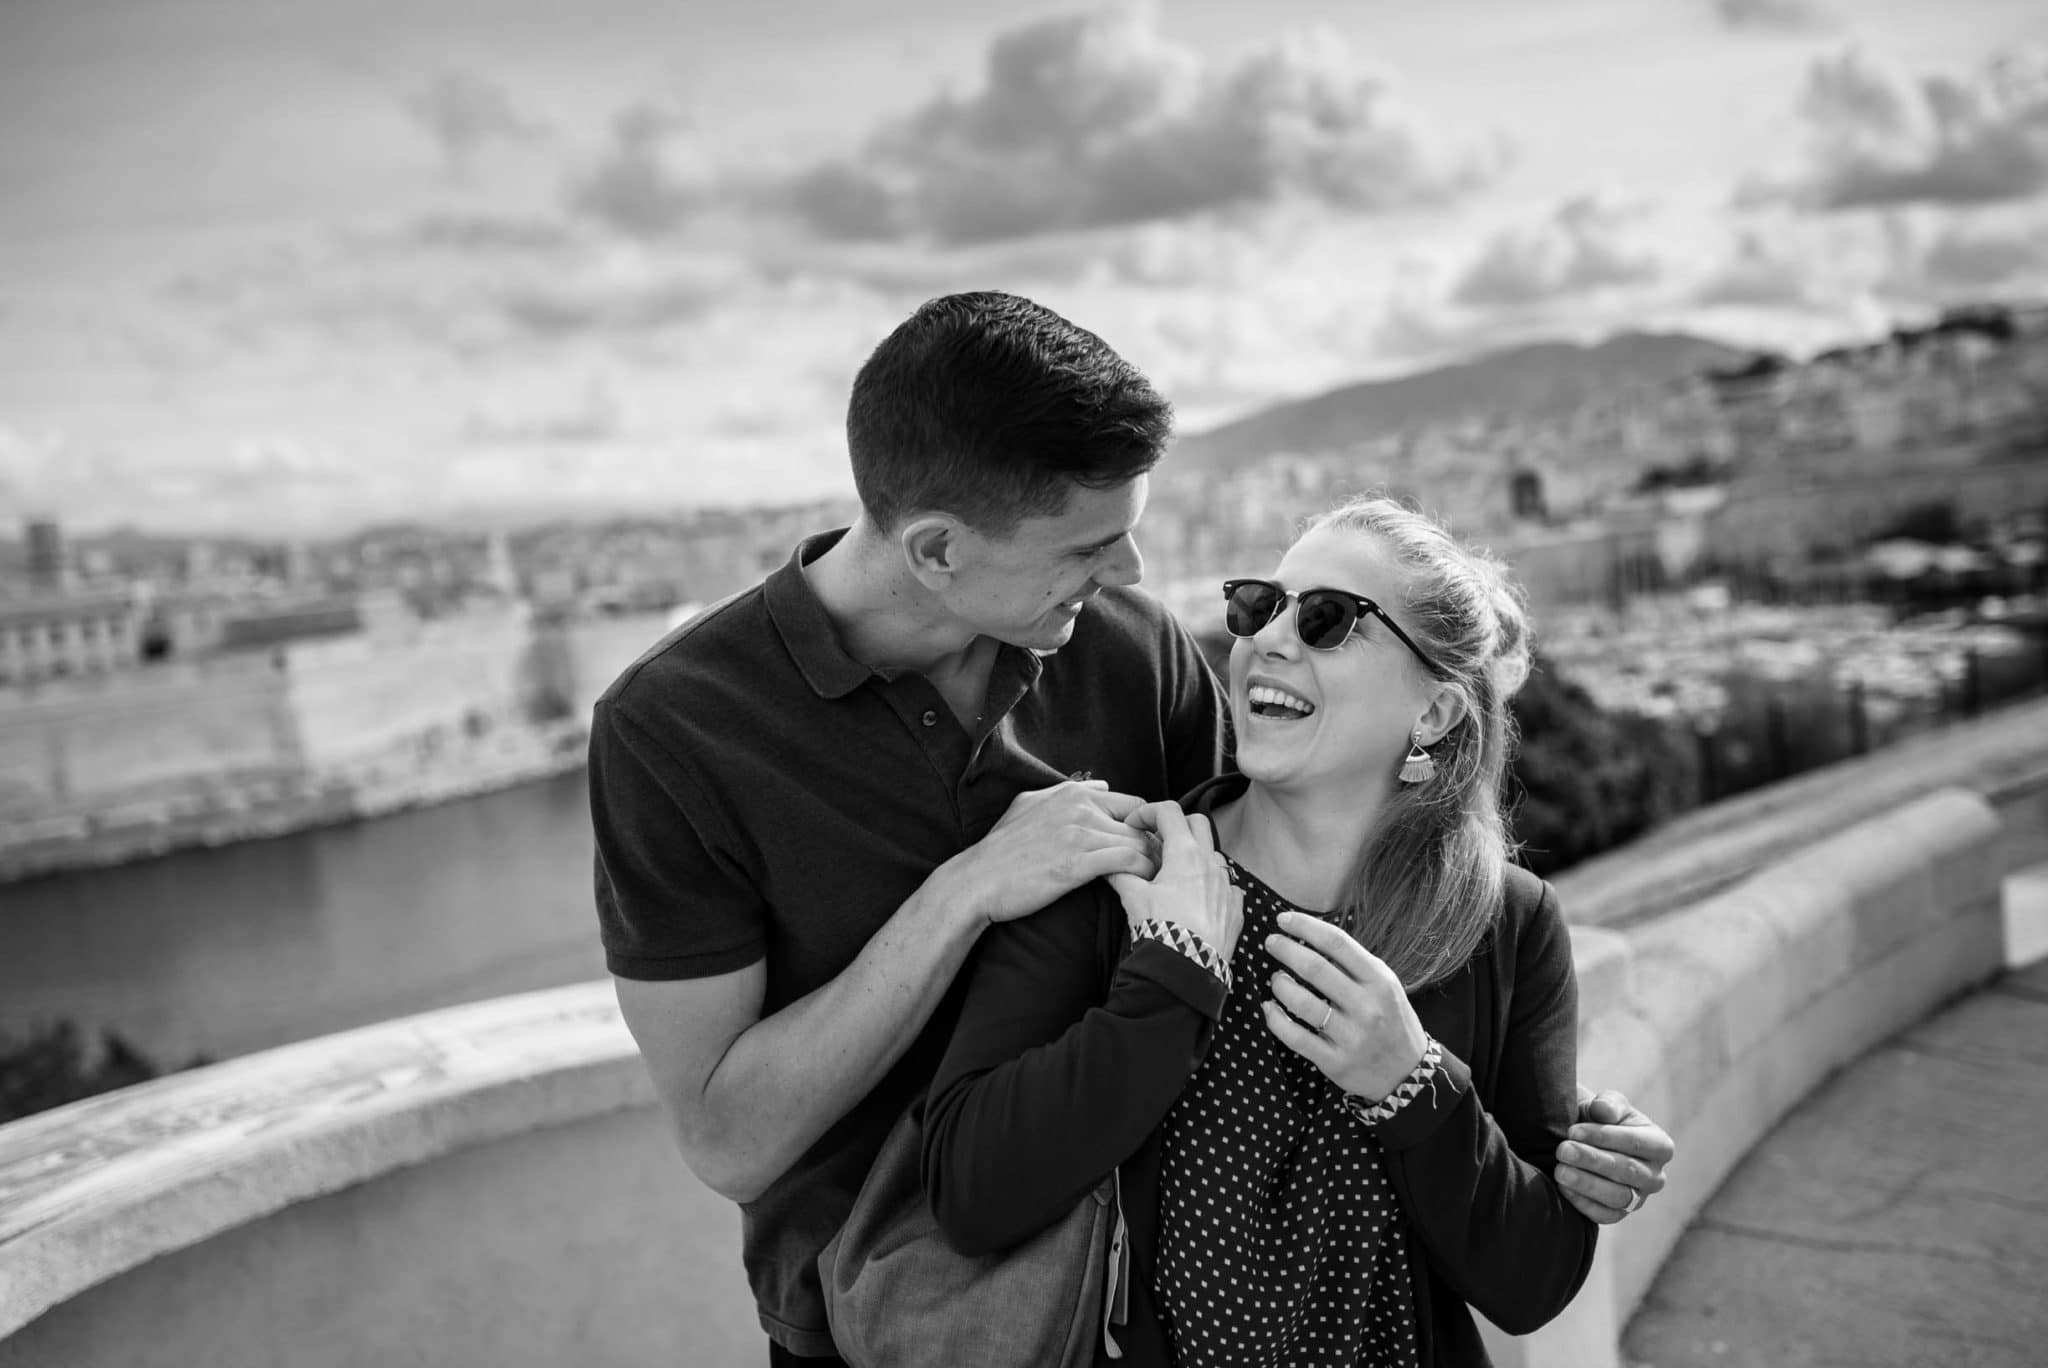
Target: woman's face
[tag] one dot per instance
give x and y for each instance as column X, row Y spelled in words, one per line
column 1306, row 718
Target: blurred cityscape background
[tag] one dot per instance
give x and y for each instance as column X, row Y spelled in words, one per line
column 371, row 395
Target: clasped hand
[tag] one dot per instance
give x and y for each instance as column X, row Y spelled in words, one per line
column 1192, row 888
column 1344, row 1011
column 1049, row 842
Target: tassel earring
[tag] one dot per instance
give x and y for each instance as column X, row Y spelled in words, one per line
column 1419, row 766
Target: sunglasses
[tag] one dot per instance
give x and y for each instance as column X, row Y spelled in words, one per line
column 1324, row 619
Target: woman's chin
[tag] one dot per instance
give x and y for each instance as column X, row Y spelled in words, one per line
column 1269, row 766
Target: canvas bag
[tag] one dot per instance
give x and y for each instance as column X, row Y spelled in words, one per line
column 897, row 1295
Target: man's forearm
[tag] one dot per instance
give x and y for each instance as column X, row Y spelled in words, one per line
column 789, row 1077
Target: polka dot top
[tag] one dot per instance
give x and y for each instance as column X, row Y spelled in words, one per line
column 1281, row 1242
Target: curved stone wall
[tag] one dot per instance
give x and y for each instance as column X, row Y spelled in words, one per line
column 492, row 1184
column 1717, row 1018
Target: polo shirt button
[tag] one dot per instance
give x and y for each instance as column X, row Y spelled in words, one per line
column 931, row 718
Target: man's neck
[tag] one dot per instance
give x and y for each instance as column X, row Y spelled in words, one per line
column 884, row 617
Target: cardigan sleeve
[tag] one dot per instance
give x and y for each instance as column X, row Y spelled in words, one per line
column 1046, row 1084
column 1476, row 1171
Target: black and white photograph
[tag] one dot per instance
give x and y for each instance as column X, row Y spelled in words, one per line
column 1094, row 684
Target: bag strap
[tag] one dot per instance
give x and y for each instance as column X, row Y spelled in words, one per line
column 1113, row 938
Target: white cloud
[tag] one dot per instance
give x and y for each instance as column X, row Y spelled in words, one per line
column 1099, row 119
column 1982, row 260
column 1818, row 281
column 278, row 459
column 592, row 416
column 1758, row 275
column 466, row 113
column 1776, row 16
column 551, row 312
column 1879, row 137
column 636, row 188
column 478, row 233
column 1588, row 243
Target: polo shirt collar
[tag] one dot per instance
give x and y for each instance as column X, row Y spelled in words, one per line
column 813, row 643
column 805, row 628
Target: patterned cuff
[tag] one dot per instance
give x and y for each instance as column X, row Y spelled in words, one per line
column 1421, row 1077
column 1187, row 942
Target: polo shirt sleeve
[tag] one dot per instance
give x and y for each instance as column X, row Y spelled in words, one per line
column 1195, row 717
column 672, row 902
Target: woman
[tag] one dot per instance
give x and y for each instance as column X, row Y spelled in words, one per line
column 1334, row 1130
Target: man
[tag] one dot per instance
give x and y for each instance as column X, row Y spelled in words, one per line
column 811, row 799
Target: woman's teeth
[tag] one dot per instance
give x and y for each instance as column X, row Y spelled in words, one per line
column 1267, row 701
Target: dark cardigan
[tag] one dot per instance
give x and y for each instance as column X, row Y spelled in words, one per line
column 1050, row 1081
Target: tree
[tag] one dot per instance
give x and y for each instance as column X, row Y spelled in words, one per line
column 1585, row 780
column 53, row 1065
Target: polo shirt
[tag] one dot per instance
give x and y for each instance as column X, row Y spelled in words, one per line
column 758, row 795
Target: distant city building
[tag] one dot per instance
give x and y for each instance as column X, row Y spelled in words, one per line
column 499, row 573
column 47, row 568
column 95, row 631
column 1600, row 497
column 50, row 636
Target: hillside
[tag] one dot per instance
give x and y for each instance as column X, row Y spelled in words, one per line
column 1540, row 379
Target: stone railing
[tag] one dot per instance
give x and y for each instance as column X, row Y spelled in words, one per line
column 1721, row 1015
column 492, row 1184
column 486, row 1184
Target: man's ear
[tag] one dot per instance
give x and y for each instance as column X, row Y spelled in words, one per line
column 932, row 547
column 1446, row 709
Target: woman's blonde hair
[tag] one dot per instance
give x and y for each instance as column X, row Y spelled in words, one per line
column 1427, row 884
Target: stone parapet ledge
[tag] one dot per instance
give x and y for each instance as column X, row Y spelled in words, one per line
column 1719, row 1017
column 1716, row 1018
column 94, row 1189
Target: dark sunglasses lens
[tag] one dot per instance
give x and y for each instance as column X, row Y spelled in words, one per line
column 1325, row 619
column 1249, row 608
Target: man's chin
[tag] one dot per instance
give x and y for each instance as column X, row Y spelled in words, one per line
column 1047, row 633
column 1059, row 633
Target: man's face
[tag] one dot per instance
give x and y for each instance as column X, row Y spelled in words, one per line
column 1028, row 587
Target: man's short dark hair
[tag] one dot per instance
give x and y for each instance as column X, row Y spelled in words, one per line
column 992, row 408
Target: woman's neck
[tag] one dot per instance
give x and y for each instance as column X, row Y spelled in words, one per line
column 1300, row 844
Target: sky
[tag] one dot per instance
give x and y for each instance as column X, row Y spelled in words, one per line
column 284, row 269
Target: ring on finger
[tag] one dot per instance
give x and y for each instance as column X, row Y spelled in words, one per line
column 1635, row 1202
column 1329, row 1010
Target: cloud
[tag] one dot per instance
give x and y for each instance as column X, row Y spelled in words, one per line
column 1881, row 138
column 1095, row 120
column 1159, row 256
column 472, row 288
column 594, row 417
column 275, row 459
column 482, row 233
column 465, row 113
column 1582, row 247
column 1822, row 277
column 279, row 482
column 1757, row 275
column 1775, row 16
column 561, row 311
column 635, row 189
column 1987, row 260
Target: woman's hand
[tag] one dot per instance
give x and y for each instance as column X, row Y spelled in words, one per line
column 1192, row 889
column 1350, row 1016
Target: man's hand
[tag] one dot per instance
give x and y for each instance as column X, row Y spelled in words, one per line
column 1192, row 889
column 1614, row 1159
column 1049, row 842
